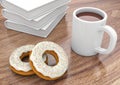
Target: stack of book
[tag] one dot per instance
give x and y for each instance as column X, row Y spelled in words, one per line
column 36, row 17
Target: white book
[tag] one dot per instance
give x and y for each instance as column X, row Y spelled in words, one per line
column 36, row 23
column 22, row 28
column 32, row 9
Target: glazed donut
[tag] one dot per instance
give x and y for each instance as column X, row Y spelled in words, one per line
column 41, row 68
column 16, row 63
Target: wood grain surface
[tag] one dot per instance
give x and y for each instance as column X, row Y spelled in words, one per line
column 95, row 70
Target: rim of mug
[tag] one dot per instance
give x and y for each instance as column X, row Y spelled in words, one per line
column 90, row 8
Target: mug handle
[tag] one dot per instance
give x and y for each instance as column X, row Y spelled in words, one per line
column 113, row 39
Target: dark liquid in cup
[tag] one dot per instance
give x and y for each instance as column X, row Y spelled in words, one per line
column 89, row 16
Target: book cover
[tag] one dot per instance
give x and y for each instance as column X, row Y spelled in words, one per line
column 36, row 23
column 34, row 11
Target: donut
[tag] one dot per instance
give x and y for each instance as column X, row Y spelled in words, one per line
column 16, row 63
column 41, row 68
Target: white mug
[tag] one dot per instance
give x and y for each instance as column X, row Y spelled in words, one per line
column 87, row 35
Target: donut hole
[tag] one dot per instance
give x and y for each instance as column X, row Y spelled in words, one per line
column 25, row 57
column 51, row 58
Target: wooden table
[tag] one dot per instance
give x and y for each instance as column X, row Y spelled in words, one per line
column 95, row 70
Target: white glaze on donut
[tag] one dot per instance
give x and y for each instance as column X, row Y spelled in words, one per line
column 50, row 71
column 15, row 60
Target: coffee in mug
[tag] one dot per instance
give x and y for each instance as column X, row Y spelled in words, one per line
column 89, row 16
